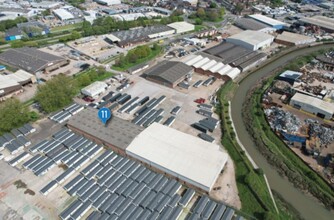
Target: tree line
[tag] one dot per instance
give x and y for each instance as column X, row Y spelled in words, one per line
column 7, row 24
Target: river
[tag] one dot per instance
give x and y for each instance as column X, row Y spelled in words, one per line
column 308, row 206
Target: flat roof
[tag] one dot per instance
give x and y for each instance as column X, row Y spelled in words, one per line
column 267, row 20
column 291, row 74
column 63, row 14
column 318, row 103
column 252, row 37
column 250, row 24
column 184, row 156
column 168, row 71
column 321, row 21
column 118, row 132
column 182, row 25
column 294, row 38
column 29, row 59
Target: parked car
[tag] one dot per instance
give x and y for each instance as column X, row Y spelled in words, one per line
column 88, row 99
column 200, row 101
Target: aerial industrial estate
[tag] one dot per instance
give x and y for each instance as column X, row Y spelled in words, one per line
column 191, row 109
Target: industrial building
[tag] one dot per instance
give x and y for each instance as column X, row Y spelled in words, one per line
column 95, row 89
column 212, row 66
column 117, row 134
column 278, row 25
column 63, row 14
column 138, row 35
column 169, row 73
column 250, row 24
column 313, row 105
column 293, row 39
column 189, row 159
column 11, row 83
column 181, row 27
column 253, row 40
column 32, row 60
column 289, row 76
column 323, row 22
column 236, row 56
column 108, row 2
column 28, row 29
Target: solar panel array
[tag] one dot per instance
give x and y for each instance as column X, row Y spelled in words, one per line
column 66, row 147
column 66, row 113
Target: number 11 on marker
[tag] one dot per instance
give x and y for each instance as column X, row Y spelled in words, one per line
column 104, row 115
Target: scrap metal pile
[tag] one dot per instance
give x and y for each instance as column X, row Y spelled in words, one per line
column 281, row 120
column 326, row 135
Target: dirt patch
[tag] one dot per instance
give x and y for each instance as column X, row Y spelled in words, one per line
column 20, row 184
column 29, row 192
column 63, row 166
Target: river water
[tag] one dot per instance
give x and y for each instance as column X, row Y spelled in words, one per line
column 308, row 206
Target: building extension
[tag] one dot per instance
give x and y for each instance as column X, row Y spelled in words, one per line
column 253, row 40
column 289, row 76
column 293, row 39
column 278, row 25
column 189, row 159
column 12, row 83
column 117, row 134
column 323, row 22
column 313, row 105
column 168, row 73
column 32, row 60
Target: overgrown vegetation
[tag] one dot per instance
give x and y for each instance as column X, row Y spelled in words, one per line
column 213, row 14
column 91, row 75
column 56, row 93
column 14, row 114
column 7, row 24
column 253, row 191
column 136, row 56
column 275, row 150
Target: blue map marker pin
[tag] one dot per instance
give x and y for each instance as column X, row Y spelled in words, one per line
column 104, row 115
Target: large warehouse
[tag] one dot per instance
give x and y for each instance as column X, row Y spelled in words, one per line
column 95, row 89
column 12, row 83
column 250, row 24
column 63, row 14
column 32, row 60
column 292, row 39
column 168, row 73
column 313, row 105
column 236, row 56
column 189, row 159
column 117, row 134
column 212, row 66
column 323, row 22
column 278, row 25
column 253, row 40
column 181, row 27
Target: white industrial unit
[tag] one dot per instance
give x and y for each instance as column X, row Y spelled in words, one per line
column 188, row 158
column 94, row 89
column 63, row 14
column 181, row 27
column 253, row 40
column 313, row 105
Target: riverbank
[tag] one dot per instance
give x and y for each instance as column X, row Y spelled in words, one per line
column 307, row 206
column 253, row 192
column 277, row 152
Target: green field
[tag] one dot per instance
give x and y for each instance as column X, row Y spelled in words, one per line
column 66, row 27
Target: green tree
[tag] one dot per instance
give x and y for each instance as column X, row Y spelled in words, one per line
column 13, row 114
column 75, row 35
column 56, row 93
column 201, row 13
column 213, row 16
column 17, row 44
column 198, row 21
column 213, row 5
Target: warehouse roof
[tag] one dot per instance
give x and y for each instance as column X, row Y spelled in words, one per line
column 322, row 21
column 294, row 38
column 117, row 132
column 15, row 79
column 63, row 14
column 251, row 37
column 94, row 89
column 318, row 103
column 168, row 71
column 250, row 24
column 182, row 25
column 29, row 59
column 267, row 20
column 182, row 155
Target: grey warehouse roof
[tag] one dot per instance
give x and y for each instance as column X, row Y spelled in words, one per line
column 118, row 132
column 250, row 24
column 29, row 59
column 168, row 71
